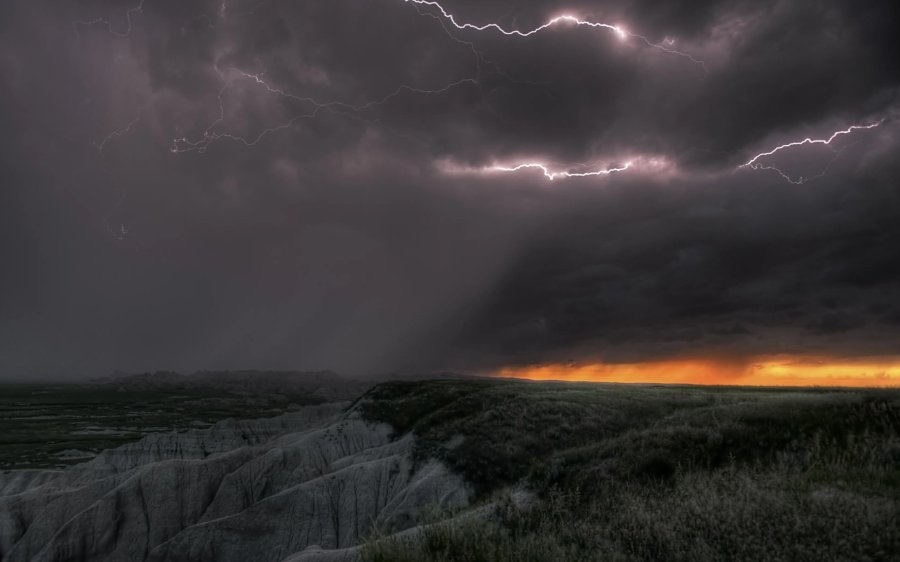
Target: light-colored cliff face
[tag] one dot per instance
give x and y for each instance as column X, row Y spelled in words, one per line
column 264, row 490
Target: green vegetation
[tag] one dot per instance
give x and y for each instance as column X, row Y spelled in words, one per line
column 622, row 472
column 46, row 425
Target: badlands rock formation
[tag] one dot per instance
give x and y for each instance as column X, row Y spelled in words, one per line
column 303, row 486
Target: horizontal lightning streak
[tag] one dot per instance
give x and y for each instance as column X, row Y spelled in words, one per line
column 448, row 21
column 755, row 164
column 551, row 175
column 660, row 166
column 618, row 30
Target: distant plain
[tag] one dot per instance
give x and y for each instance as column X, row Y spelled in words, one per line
column 55, row 425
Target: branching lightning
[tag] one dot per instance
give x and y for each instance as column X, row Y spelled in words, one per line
column 756, row 163
column 620, row 31
column 129, row 15
column 451, row 24
column 210, row 135
column 430, row 8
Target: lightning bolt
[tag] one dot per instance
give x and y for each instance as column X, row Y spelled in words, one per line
column 324, row 105
column 121, row 232
column 648, row 163
column 210, row 136
column 129, row 14
column 118, row 133
column 621, row 32
column 756, row 164
column 553, row 175
column 450, row 23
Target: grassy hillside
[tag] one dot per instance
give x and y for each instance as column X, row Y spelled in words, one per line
column 653, row 472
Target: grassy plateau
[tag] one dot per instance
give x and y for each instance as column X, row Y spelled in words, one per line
column 644, row 472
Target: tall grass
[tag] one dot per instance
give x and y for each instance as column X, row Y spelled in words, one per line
column 741, row 515
column 669, row 474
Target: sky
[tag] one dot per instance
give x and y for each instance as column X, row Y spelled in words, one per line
column 551, row 189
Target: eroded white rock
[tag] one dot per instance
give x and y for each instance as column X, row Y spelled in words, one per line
column 307, row 485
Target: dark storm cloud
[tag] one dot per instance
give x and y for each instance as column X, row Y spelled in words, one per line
column 736, row 269
column 336, row 239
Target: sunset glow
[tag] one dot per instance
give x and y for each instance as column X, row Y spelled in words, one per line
column 765, row 371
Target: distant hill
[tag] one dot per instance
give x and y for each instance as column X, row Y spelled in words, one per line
column 327, row 385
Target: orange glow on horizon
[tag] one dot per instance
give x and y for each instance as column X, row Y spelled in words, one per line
column 765, row 371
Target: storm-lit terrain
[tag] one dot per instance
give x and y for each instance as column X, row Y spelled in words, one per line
column 474, row 280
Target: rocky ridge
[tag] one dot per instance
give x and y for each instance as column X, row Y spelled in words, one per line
column 308, row 485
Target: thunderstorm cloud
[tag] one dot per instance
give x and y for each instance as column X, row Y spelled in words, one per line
column 330, row 184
